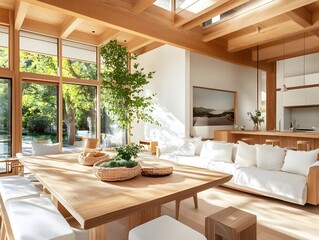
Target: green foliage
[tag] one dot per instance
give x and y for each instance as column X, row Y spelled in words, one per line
column 127, row 151
column 119, row 163
column 122, row 90
column 257, row 118
column 4, row 57
column 124, row 156
column 39, row 102
column 38, row 63
column 78, row 69
column 4, row 97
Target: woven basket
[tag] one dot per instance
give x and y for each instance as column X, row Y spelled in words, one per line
column 116, row 173
column 157, row 171
column 89, row 161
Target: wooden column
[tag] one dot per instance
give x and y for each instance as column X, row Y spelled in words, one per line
column 271, row 99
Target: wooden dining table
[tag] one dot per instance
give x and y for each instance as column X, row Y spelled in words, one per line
column 94, row 203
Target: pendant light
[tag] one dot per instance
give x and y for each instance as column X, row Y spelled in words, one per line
column 257, row 67
column 284, row 87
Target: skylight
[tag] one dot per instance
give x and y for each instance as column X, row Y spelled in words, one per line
column 246, row 7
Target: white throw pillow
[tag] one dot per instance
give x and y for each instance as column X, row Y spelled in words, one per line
column 199, row 147
column 187, row 146
column 217, row 151
column 299, row 161
column 45, row 149
column 246, row 154
column 269, row 157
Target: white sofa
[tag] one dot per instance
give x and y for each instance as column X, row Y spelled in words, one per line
column 292, row 176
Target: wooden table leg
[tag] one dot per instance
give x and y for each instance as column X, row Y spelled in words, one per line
column 98, row 233
column 144, row 216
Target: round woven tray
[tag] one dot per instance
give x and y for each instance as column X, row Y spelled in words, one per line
column 157, row 171
column 89, row 161
column 116, row 173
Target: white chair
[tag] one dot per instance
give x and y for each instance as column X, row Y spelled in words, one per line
column 37, row 219
column 164, row 227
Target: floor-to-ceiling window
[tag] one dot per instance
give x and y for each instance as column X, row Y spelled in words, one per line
column 39, row 114
column 4, row 45
column 79, row 114
column 5, row 118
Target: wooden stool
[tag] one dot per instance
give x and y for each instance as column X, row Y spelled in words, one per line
column 178, row 203
column 247, row 140
column 272, row 142
column 231, row 224
column 303, row 146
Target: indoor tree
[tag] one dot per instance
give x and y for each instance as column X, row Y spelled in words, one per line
column 122, row 87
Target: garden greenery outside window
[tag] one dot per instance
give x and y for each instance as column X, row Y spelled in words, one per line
column 5, row 118
column 4, row 46
column 38, row 54
column 39, row 114
column 79, row 61
column 79, row 114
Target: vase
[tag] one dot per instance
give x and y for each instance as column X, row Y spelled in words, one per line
column 256, row 127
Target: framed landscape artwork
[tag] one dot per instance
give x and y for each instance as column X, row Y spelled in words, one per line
column 212, row 107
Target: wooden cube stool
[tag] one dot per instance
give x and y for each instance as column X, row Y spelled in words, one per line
column 303, row 146
column 231, row 224
column 273, row 142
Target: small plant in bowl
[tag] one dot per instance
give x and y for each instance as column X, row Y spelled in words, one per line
column 121, row 166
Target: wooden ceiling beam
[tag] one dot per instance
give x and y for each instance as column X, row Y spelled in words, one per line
column 301, row 16
column 137, row 43
column 69, row 25
column 39, row 27
column 315, row 32
column 21, row 10
column 143, row 25
column 196, row 10
column 140, row 5
column 108, row 35
column 212, row 13
column 82, row 37
column 4, row 16
column 273, row 33
column 148, row 48
column 265, row 35
column 260, row 14
column 293, row 48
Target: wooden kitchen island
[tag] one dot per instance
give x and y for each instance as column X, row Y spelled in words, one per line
column 286, row 138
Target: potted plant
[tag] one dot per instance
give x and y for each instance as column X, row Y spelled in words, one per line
column 122, row 166
column 257, row 119
column 123, row 86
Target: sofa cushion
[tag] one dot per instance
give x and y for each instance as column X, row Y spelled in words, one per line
column 187, row 146
column 269, row 157
column 299, row 161
column 277, row 184
column 217, row 151
column 246, row 154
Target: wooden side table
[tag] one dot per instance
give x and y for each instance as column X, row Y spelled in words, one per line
column 149, row 145
column 231, row 224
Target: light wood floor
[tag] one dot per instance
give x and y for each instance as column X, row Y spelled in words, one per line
column 277, row 220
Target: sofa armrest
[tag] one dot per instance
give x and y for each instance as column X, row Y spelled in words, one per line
column 313, row 185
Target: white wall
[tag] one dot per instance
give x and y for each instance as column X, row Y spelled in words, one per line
column 171, row 86
column 213, row 73
column 177, row 70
